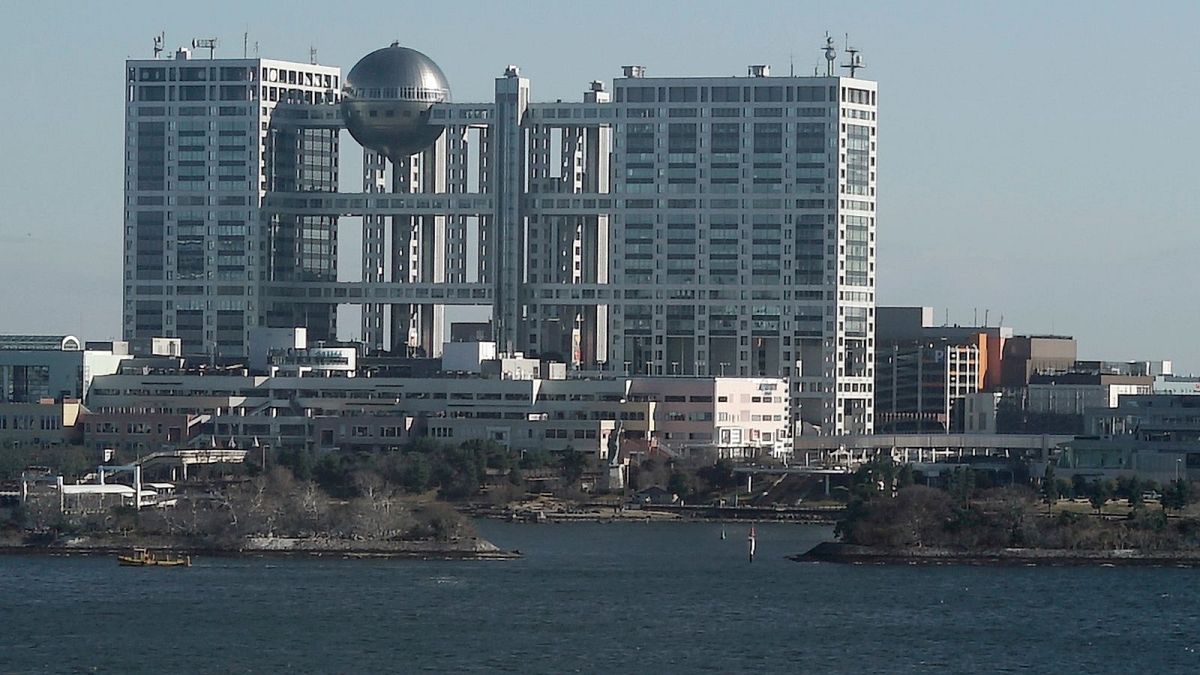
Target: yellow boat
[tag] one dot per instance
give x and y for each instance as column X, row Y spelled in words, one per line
column 144, row 558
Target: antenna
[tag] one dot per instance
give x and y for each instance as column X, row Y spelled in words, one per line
column 206, row 43
column 256, row 49
column 158, row 43
column 855, row 60
column 830, row 55
column 245, row 44
column 312, row 55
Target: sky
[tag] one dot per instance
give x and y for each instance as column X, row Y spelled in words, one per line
column 1036, row 159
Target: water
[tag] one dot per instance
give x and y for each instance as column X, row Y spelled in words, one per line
column 589, row 597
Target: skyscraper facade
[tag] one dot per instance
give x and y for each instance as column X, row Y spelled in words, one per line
column 205, row 141
column 746, row 244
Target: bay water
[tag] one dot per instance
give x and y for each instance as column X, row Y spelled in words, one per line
column 596, row 597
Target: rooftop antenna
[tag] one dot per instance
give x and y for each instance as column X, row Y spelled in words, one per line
column 158, row 43
column 256, row 49
column 206, row 43
column 830, row 55
column 245, row 44
column 791, row 64
column 312, row 55
column 855, row 61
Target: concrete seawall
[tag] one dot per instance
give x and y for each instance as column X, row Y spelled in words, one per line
column 462, row 549
column 848, row 553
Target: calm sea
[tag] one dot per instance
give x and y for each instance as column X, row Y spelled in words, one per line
column 589, row 597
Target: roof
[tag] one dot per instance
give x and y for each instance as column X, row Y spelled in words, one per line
column 40, row 343
column 94, row 489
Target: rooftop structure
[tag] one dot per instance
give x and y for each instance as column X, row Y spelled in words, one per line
column 44, row 343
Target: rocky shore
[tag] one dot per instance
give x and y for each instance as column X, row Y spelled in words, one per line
column 848, row 553
column 470, row 548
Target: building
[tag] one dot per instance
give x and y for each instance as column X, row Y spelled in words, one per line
column 205, row 141
column 55, row 367
column 46, row 423
column 1073, row 393
column 921, row 386
column 1176, row 384
column 1026, row 356
column 744, row 416
column 924, row 371
column 137, row 433
column 1155, row 437
column 739, row 213
column 909, row 325
column 979, row 412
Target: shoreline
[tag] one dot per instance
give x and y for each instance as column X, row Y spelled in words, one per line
column 275, row 547
column 834, row 552
column 661, row 514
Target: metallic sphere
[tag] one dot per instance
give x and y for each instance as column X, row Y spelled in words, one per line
column 386, row 99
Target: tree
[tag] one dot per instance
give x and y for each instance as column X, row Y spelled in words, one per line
column 961, row 484
column 1050, row 487
column 1079, row 486
column 1101, row 493
column 1177, row 495
column 415, row 473
column 1136, row 490
column 907, row 477
column 719, row 476
column 677, row 484
column 573, row 465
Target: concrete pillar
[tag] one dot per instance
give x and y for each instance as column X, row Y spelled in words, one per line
column 512, row 99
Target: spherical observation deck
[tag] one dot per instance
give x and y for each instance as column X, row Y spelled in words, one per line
column 386, row 99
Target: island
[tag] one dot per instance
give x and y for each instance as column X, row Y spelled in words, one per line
column 270, row 514
column 892, row 518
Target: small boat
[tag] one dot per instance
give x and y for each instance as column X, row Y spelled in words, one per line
column 144, row 558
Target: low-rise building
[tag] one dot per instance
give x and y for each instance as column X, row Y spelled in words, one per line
column 1073, row 393
column 1028, row 355
column 920, row 386
column 1154, row 436
column 1176, row 384
column 137, row 433
column 677, row 414
column 46, row 423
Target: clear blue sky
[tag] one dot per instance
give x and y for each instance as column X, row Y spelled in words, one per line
column 1037, row 159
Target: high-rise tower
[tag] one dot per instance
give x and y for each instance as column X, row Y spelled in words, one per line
column 205, row 141
column 746, row 245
